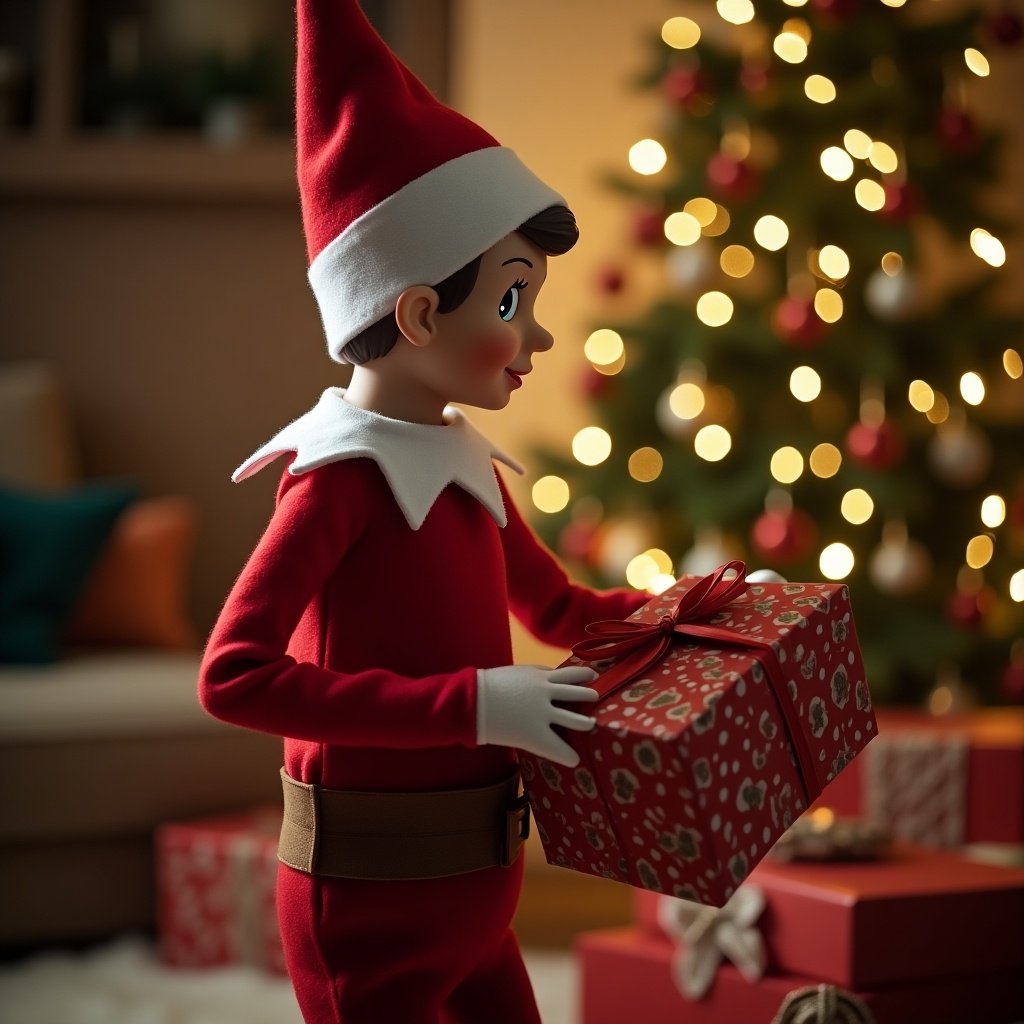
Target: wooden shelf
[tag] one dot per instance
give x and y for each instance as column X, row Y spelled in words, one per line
column 161, row 167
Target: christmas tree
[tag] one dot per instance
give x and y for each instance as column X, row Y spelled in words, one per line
column 810, row 388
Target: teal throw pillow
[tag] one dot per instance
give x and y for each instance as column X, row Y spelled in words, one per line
column 48, row 545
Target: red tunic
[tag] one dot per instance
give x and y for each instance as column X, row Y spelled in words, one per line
column 358, row 638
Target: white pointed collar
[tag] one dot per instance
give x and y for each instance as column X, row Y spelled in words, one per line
column 418, row 460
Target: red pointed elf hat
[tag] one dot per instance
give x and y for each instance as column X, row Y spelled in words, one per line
column 397, row 189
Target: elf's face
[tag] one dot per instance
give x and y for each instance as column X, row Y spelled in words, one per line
column 485, row 347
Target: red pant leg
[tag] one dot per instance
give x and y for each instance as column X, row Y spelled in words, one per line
column 366, row 952
column 498, row 991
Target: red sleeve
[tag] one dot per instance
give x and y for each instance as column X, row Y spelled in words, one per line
column 248, row 679
column 541, row 595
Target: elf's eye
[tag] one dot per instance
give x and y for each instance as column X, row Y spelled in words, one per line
column 510, row 301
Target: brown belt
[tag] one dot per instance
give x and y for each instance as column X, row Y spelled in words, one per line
column 339, row 834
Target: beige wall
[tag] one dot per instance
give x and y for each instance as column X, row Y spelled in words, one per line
column 549, row 80
column 185, row 330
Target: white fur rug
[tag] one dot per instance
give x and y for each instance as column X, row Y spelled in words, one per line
column 124, row 983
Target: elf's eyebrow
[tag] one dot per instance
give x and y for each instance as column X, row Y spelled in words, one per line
column 518, row 259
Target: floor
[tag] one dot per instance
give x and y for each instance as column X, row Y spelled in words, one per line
column 122, row 982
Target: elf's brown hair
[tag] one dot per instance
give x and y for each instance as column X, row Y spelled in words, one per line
column 552, row 230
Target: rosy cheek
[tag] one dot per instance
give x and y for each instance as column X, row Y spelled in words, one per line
column 494, row 352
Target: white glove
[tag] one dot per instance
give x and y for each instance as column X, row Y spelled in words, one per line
column 765, row 576
column 516, row 708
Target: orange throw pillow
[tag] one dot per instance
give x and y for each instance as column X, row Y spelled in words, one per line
column 136, row 594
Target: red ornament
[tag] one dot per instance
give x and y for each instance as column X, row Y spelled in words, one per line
column 1016, row 515
column 795, row 322
column 875, row 447
column 610, row 280
column 1012, row 682
column 648, row 227
column 755, row 78
column 1005, row 28
column 682, row 86
column 957, row 131
column 783, row 537
column 965, row 610
column 902, row 201
column 576, row 541
column 732, row 178
column 838, row 10
column 594, row 384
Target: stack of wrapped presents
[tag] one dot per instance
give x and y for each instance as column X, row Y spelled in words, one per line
column 215, row 891
column 731, row 714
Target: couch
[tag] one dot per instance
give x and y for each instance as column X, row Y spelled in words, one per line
column 101, row 738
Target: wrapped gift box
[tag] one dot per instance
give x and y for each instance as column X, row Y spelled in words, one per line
column 626, row 974
column 914, row 916
column 723, row 731
column 941, row 780
column 216, row 880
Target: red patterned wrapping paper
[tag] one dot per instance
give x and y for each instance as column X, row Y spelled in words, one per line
column 216, row 880
column 941, row 780
column 626, row 975
column 698, row 764
column 869, row 924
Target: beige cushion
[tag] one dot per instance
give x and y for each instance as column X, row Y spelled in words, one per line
column 107, row 695
column 38, row 452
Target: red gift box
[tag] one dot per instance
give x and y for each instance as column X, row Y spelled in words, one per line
column 216, row 880
column 626, row 975
column 916, row 915
column 726, row 710
column 941, row 780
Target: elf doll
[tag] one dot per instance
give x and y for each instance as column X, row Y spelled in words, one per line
column 370, row 625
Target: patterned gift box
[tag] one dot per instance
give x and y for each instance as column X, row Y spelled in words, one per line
column 216, row 880
column 870, row 924
column 627, row 975
column 942, row 780
column 725, row 709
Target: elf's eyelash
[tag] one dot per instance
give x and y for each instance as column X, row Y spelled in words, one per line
column 520, row 284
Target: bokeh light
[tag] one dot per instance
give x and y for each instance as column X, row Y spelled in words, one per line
column 805, row 384
column 592, row 446
column 836, row 561
column 647, row 156
column 680, row 33
column 771, row 232
column 712, row 443
column 550, row 494
column 604, row 347
column 993, row 511
column 825, row 460
column 645, row 465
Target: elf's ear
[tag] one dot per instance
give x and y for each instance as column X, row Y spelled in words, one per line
column 416, row 314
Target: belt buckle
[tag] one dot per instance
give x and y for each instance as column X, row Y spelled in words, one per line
column 517, row 830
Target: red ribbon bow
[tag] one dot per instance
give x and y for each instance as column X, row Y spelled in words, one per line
column 641, row 645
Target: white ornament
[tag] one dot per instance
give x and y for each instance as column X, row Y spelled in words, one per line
column 960, row 454
column 709, row 551
column 619, row 542
column 892, row 297
column 899, row 565
column 672, row 426
column 707, row 935
column 691, row 267
column 765, row 576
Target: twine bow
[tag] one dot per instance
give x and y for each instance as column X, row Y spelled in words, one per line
column 822, row 1004
column 706, row 935
column 640, row 645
